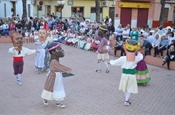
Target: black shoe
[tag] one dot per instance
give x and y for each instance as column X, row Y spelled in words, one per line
column 98, row 70
column 107, row 70
column 127, row 103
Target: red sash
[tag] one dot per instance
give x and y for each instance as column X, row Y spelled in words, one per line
column 18, row 59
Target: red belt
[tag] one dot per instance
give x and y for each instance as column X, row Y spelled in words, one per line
column 18, row 59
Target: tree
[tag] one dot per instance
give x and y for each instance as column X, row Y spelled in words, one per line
column 162, row 12
column 97, row 4
column 24, row 8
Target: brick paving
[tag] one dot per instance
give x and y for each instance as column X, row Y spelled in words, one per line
column 88, row 93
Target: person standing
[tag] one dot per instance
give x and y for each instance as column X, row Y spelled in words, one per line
column 19, row 52
column 102, row 51
column 142, row 72
column 119, row 31
column 54, row 88
column 128, row 63
column 42, row 57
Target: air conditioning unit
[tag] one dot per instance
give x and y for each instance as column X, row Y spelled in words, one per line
column 33, row 2
column 104, row 3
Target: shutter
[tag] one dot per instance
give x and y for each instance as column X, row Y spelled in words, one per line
column 142, row 17
column 125, row 17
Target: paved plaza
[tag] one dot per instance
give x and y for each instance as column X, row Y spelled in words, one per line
column 88, row 92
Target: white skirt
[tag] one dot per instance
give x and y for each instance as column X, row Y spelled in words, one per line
column 128, row 83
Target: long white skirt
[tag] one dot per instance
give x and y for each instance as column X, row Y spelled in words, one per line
column 58, row 89
column 128, row 83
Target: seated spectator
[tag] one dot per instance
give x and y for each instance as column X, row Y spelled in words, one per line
column 170, row 37
column 12, row 27
column 162, row 46
column 135, row 34
column 5, row 29
column 112, row 36
column 0, row 30
column 170, row 54
column 155, row 44
column 19, row 27
column 147, row 43
column 118, row 46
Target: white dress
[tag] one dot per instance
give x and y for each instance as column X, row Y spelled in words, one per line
column 39, row 60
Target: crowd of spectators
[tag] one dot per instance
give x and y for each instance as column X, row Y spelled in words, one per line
column 79, row 32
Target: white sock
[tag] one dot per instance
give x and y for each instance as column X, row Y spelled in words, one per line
column 99, row 65
column 19, row 77
column 106, row 64
column 127, row 96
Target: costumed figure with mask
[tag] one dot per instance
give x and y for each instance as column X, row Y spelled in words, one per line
column 103, row 49
column 54, row 88
column 18, row 52
column 42, row 57
column 128, row 63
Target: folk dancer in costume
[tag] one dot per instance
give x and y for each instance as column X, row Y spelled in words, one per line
column 54, row 88
column 102, row 51
column 142, row 72
column 42, row 57
column 128, row 63
column 19, row 52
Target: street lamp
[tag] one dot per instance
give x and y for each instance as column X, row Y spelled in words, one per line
column 61, row 6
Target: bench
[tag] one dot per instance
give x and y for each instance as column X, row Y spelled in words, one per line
column 158, row 62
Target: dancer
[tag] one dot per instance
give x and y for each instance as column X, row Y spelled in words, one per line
column 142, row 73
column 19, row 52
column 128, row 63
column 54, row 88
column 42, row 57
column 102, row 51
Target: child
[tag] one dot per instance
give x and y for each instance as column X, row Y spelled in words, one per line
column 26, row 37
column 54, row 88
column 35, row 37
column 31, row 37
column 42, row 57
column 118, row 45
column 128, row 63
column 19, row 52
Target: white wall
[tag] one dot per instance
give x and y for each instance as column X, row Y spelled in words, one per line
column 18, row 8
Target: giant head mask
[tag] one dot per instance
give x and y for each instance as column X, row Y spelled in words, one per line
column 17, row 40
column 131, row 46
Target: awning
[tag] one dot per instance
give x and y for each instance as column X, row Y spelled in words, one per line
column 134, row 5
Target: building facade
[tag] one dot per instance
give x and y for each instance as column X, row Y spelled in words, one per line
column 73, row 8
column 134, row 12
column 14, row 7
column 139, row 13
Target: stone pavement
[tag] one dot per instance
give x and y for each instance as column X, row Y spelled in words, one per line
column 88, row 93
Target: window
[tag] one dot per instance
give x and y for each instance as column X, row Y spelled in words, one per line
column 28, row 10
column 166, row 14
